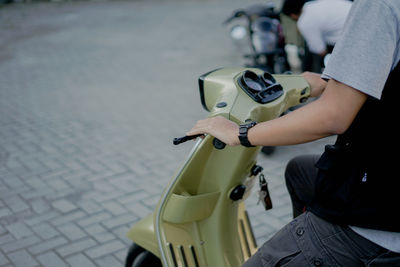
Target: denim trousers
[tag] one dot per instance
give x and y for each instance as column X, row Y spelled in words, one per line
column 309, row 240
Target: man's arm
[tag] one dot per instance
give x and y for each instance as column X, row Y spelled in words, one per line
column 330, row 114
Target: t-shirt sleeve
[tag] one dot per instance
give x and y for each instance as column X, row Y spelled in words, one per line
column 365, row 55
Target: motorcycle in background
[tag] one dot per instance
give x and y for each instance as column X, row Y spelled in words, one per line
column 257, row 32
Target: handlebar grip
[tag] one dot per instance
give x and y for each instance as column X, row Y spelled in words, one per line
column 180, row 140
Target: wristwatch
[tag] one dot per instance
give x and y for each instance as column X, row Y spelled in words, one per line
column 243, row 130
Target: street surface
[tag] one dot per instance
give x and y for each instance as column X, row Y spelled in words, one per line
column 91, row 96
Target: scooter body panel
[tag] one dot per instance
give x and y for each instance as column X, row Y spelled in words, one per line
column 205, row 231
column 142, row 233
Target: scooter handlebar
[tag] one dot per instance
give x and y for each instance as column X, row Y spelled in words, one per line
column 180, row 140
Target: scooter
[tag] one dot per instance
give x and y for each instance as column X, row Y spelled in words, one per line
column 201, row 219
column 258, row 34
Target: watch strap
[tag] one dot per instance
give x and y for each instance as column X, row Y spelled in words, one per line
column 243, row 132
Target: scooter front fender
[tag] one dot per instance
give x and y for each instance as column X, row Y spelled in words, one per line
column 142, row 233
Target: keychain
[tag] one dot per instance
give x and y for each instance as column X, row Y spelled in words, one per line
column 263, row 194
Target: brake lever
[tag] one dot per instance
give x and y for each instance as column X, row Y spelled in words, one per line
column 180, row 140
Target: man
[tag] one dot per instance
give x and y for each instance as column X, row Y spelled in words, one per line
column 351, row 214
column 320, row 22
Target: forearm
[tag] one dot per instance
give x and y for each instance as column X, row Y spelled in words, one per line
column 303, row 125
column 330, row 114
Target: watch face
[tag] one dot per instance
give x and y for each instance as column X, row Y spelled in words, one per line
column 242, row 130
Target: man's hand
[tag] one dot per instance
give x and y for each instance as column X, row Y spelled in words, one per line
column 316, row 83
column 225, row 130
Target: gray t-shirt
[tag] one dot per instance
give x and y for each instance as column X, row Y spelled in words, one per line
column 368, row 49
column 363, row 58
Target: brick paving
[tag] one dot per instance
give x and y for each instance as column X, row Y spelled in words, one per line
column 91, row 95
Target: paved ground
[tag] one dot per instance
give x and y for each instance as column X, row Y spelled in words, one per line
column 91, row 95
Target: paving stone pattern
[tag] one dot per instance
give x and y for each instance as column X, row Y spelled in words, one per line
column 91, row 95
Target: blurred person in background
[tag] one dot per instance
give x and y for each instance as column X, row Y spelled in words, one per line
column 320, row 22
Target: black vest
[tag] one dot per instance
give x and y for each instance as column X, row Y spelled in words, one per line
column 358, row 180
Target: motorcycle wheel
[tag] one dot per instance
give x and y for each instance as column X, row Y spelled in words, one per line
column 139, row 257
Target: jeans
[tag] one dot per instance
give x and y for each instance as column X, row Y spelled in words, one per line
column 312, row 241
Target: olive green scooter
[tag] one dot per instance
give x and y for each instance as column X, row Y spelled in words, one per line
column 200, row 219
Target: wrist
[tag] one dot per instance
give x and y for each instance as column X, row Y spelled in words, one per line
column 243, row 133
column 236, row 138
